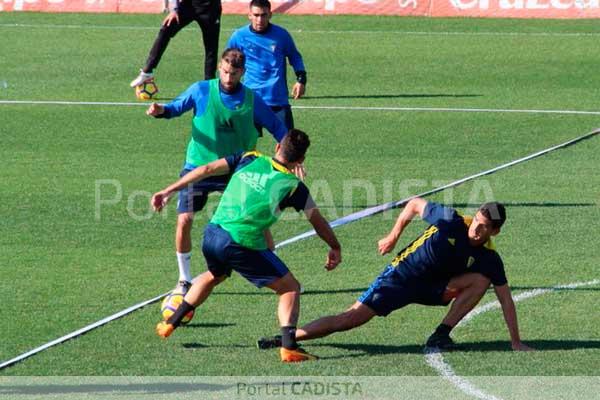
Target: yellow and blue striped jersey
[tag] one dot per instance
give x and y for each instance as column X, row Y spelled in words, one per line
column 443, row 250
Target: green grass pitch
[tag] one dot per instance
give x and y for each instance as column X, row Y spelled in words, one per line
column 67, row 262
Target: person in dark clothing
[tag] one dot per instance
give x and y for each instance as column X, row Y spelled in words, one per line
column 207, row 13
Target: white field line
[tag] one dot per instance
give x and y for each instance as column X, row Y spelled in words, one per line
column 341, row 108
column 316, row 31
column 436, row 360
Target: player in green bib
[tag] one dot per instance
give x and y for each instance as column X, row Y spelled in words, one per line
column 225, row 115
column 258, row 191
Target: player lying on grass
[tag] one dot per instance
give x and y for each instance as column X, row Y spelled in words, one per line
column 259, row 189
column 453, row 259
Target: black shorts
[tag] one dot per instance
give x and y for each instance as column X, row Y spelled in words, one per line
column 223, row 254
column 192, row 198
column 391, row 291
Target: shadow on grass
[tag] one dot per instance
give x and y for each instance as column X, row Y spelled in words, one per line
column 267, row 292
column 197, row 345
column 395, row 96
column 141, row 390
column 361, row 350
column 209, row 325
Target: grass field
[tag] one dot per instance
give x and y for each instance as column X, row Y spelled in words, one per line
column 68, row 261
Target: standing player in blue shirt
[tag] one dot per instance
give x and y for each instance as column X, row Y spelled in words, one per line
column 266, row 47
column 225, row 113
column 453, row 259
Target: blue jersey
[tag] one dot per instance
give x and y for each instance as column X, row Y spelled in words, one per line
column 266, row 54
column 196, row 97
column 443, row 250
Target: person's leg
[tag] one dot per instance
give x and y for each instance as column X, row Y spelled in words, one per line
column 385, row 294
column 215, row 248
column 164, row 37
column 183, row 245
column 202, row 288
column 288, row 309
column 357, row 315
column 470, row 288
column 192, row 199
column 466, row 290
column 210, row 24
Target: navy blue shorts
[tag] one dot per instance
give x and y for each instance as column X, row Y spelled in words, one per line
column 391, row 291
column 222, row 254
column 193, row 197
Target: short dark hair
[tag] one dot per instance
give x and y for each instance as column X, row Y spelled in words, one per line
column 495, row 212
column 294, row 145
column 234, row 57
column 261, row 4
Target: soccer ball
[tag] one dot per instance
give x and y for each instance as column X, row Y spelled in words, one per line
column 146, row 90
column 170, row 303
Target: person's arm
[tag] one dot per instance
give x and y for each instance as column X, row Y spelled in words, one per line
column 220, row 167
column 414, row 207
column 193, row 95
column 264, row 116
column 510, row 317
column 297, row 63
column 269, row 239
column 334, row 257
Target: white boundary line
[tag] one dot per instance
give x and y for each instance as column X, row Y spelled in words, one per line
column 342, row 108
column 319, row 31
column 435, row 359
column 341, row 221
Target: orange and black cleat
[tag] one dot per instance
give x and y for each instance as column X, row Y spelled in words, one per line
column 296, row 355
column 164, row 329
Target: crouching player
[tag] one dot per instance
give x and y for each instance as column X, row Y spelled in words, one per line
column 454, row 259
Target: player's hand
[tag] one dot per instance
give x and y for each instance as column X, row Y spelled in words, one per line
column 155, row 110
column 299, row 171
column 334, row 258
column 521, row 347
column 159, row 200
column 298, row 90
column 173, row 16
column 386, row 244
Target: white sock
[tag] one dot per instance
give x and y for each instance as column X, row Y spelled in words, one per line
column 183, row 261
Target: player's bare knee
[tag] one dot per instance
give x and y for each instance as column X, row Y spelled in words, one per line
column 185, row 221
column 480, row 282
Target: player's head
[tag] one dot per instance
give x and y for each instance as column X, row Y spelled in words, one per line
column 487, row 222
column 231, row 69
column 292, row 147
column 259, row 14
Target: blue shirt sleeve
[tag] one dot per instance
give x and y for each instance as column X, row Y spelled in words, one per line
column 437, row 214
column 195, row 96
column 300, row 199
column 264, row 116
column 292, row 53
column 233, row 160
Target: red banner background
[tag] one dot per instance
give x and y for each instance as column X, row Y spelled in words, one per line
column 429, row 8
